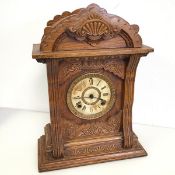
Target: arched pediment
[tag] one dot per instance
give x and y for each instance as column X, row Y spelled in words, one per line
column 89, row 26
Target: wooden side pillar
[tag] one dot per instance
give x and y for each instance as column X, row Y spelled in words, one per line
column 53, row 87
column 128, row 100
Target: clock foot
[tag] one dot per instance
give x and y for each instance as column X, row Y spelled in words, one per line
column 96, row 152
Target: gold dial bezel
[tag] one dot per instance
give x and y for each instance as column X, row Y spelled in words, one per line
column 91, row 116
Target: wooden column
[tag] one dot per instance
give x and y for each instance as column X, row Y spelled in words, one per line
column 128, row 100
column 53, row 85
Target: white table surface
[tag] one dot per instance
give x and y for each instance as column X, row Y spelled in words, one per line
column 19, row 131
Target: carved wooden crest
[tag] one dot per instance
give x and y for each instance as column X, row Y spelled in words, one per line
column 92, row 25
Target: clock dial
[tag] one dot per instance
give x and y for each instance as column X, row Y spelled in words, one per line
column 90, row 96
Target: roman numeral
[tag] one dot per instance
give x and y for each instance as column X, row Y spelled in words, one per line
column 98, row 83
column 84, row 108
column 103, row 87
column 105, row 94
column 78, row 97
column 91, row 81
column 79, row 105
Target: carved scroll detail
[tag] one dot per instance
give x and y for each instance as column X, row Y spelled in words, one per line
column 110, row 127
column 128, row 100
column 69, row 69
column 98, row 148
column 115, row 66
column 94, row 149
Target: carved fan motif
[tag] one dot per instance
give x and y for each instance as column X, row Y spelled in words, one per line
column 94, row 29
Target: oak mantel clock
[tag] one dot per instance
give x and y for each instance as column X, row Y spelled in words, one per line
column 91, row 58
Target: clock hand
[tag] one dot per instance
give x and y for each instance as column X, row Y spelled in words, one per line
column 91, row 98
column 80, row 97
column 103, row 102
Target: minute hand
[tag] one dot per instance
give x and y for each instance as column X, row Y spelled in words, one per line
column 89, row 97
column 86, row 97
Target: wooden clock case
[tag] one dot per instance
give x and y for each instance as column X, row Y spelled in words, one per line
column 89, row 40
